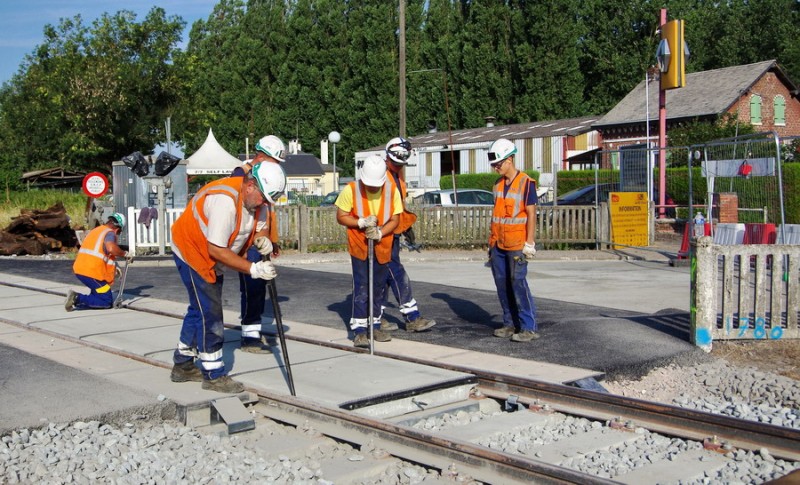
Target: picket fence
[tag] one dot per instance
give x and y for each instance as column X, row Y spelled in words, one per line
column 313, row 228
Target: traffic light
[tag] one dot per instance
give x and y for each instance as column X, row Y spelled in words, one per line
column 672, row 54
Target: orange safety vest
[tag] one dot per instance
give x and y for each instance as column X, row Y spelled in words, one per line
column 509, row 218
column 92, row 259
column 190, row 231
column 356, row 239
column 407, row 219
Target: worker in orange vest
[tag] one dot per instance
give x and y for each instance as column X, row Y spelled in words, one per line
column 511, row 243
column 253, row 291
column 398, row 151
column 215, row 230
column 95, row 265
column 370, row 210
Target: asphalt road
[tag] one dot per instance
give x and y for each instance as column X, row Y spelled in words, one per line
column 618, row 342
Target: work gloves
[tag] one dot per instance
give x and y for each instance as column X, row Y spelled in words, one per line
column 529, row 251
column 263, row 270
column 373, row 233
column 369, row 221
column 128, row 257
column 264, row 245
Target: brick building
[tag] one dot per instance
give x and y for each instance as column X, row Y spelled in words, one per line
column 760, row 94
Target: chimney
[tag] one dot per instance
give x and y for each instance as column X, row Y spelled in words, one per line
column 432, row 126
column 323, row 151
column 294, row 147
column 489, row 121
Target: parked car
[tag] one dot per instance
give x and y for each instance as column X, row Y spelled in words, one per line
column 329, row 199
column 589, row 196
column 447, row 198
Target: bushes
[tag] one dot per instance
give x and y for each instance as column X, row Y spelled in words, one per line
column 484, row 181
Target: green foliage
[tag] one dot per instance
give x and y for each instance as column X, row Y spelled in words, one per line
column 484, row 181
column 698, row 132
column 90, row 95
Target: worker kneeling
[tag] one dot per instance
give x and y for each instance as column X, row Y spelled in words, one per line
column 216, row 229
column 95, row 265
column 370, row 210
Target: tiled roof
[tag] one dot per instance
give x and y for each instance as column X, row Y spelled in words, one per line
column 706, row 93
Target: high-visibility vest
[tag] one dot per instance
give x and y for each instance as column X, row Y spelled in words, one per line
column 407, row 219
column 92, row 259
column 190, row 230
column 356, row 238
column 509, row 217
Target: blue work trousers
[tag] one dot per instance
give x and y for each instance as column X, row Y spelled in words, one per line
column 202, row 333
column 400, row 284
column 510, row 269
column 360, row 313
column 253, row 299
column 100, row 294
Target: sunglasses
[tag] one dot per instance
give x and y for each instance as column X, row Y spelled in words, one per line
column 497, row 164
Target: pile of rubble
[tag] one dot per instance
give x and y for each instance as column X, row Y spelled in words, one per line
column 36, row 232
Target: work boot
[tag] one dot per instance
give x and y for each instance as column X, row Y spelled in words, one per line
column 223, row 384
column 69, row 305
column 504, row 331
column 525, row 336
column 361, row 340
column 420, row 325
column 388, row 326
column 381, row 336
column 254, row 346
column 186, row 372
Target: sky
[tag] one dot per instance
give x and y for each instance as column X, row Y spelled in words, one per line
column 22, row 21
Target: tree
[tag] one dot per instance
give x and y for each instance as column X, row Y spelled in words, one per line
column 90, row 95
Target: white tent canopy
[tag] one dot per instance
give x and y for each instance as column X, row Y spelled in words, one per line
column 211, row 159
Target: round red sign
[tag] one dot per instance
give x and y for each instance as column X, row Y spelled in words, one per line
column 95, row 184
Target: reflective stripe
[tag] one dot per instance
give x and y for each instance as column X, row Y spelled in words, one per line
column 409, row 307
column 97, row 251
column 206, row 356
column 104, row 289
column 509, row 220
column 387, row 202
column 186, row 350
column 212, row 364
column 251, row 330
column 231, row 192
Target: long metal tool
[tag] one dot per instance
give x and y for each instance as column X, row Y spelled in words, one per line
column 276, row 308
column 118, row 301
column 371, row 280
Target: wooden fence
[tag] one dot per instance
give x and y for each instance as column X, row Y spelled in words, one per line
column 316, row 228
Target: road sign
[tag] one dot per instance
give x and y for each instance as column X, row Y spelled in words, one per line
column 95, row 184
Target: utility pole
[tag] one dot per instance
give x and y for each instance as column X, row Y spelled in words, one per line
column 402, row 66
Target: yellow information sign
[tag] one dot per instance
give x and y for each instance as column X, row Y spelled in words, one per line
column 629, row 218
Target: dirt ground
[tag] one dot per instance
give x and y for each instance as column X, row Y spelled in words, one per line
column 776, row 356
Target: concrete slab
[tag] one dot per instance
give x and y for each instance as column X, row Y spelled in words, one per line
column 685, row 467
column 594, row 440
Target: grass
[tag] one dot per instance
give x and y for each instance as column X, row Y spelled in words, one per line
column 41, row 199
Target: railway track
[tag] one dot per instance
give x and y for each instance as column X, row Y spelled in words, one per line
column 511, row 430
column 527, row 432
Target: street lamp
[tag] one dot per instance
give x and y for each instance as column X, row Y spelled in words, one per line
column 334, row 137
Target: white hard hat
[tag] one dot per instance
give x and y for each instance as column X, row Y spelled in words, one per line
column 117, row 219
column 501, row 149
column 398, row 150
column 373, row 171
column 271, row 180
column 271, row 146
